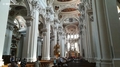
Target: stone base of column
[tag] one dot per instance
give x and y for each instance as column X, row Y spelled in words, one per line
column 1, row 62
column 45, row 58
column 91, row 59
column 31, row 59
column 98, row 63
column 116, row 62
column 106, row 63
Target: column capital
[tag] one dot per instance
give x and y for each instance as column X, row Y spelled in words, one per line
column 91, row 18
column 52, row 37
column 81, row 7
column 39, row 38
column 10, row 27
column 50, row 10
column 44, row 30
column 36, row 5
column 89, row 5
column 83, row 1
column 44, row 33
column 55, row 28
column 63, row 37
column 60, row 33
column 29, row 20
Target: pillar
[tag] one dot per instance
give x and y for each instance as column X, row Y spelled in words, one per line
column 47, row 56
column 55, row 36
column 49, row 19
column 39, row 47
column 84, row 42
column 95, row 36
column 46, row 41
column 8, row 39
column 20, row 45
column 30, row 48
column 106, row 56
column 52, row 47
column 113, row 24
column 44, row 46
column 63, row 45
column 4, row 9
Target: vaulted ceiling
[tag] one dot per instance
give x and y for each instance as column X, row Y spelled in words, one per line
column 68, row 14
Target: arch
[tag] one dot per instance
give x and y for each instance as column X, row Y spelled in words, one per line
column 63, row 18
column 42, row 19
column 17, row 10
column 28, row 7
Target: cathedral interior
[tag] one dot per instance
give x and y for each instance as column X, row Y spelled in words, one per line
column 48, row 29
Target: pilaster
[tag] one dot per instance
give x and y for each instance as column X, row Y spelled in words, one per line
column 52, row 44
column 113, row 29
column 8, row 39
column 4, row 9
column 39, row 47
column 100, row 18
column 32, row 34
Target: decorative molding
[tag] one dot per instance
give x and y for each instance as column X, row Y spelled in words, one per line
column 44, row 30
column 80, row 18
column 84, row 1
column 10, row 27
column 35, row 4
column 39, row 39
column 91, row 18
column 81, row 7
column 49, row 10
column 55, row 28
column 56, row 20
column 90, row 13
column 44, row 33
column 29, row 20
column 60, row 33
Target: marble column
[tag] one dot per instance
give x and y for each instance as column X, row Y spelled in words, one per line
column 8, row 40
column 89, row 35
column 47, row 44
column 4, row 9
column 106, row 55
column 44, row 47
column 63, row 46
column 52, row 47
column 84, row 42
column 47, row 57
column 113, row 23
column 49, row 19
column 55, row 36
column 30, row 48
column 60, row 42
column 39, row 47
column 95, row 36
column 20, row 45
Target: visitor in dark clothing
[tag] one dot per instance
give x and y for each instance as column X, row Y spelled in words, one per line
column 23, row 63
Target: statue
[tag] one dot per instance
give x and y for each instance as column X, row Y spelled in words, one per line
column 56, row 50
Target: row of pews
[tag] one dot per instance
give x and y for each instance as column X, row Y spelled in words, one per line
column 78, row 63
column 44, row 63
